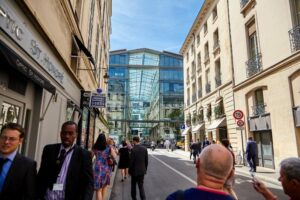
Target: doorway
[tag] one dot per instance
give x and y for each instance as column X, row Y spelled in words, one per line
column 265, row 148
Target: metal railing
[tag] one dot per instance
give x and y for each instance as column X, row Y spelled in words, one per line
column 243, row 3
column 218, row 81
column 259, row 109
column 207, row 88
column 294, row 35
column 254, row 65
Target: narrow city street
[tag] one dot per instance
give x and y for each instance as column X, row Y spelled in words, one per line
column 170, row 171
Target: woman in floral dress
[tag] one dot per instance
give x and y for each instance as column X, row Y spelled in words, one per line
column 102, row 171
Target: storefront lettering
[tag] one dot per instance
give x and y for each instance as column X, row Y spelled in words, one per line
column 11, row 25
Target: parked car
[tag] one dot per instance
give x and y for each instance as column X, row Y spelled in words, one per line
column 146, row 144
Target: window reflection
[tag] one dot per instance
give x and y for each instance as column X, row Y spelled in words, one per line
column 9, row 113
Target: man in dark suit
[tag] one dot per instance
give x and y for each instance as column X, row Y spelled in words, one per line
column 138, row 168
column 251, row 152
column 17, row 173
column 66, row 169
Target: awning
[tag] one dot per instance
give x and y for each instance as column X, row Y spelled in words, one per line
column 185, row 132
column 17, row 63
column 84, row 49
column 217, row 123
column 197, row 128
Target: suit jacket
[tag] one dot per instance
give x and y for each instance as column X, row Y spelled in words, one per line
column 20, row 182
column 251, row 149
column 138, row 161
column 79, row 178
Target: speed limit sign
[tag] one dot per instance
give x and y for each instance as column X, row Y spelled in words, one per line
column 240, row 123
column 238, row 114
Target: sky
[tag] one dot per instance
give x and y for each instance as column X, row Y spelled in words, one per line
column 154, row 24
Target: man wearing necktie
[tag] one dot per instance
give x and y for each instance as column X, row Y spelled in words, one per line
column 66, row 169
column 17, row 173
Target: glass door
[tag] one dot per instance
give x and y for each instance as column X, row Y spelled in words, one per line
column 265, row 148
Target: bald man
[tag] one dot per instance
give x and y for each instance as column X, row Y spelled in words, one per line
column 214, row 167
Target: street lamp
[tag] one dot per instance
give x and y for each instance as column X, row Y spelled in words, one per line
column 106, row 77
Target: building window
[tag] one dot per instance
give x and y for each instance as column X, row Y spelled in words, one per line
column 192, row 49
column 207, row 77
column 199, row 62
column 216, row 40
column 218, row 73
column 206, row 52
column 187, row 56
column 205, row 28
column 259, row 105
column 90, row 37
column 215, row 13
column 198, row 39
column 193, row 68
column 254, row 61
column 199, row 87
column 295, row 5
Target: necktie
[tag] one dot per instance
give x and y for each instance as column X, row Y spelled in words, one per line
column 59, row 162
column 2, row 162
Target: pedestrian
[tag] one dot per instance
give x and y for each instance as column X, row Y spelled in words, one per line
column 66, row 169
column 205, row 143
column 194, row 149
column 289, row 178
column 123, row 164
column 230, row 182
column 17, row 173
column 138, row 168
column 102, row 170
column 214, row 166
column 191, row 150
column 251, row 152
column 167, row 144
column 112, row 144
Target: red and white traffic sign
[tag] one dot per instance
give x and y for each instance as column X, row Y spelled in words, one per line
column 240, row 123
column 238, row 114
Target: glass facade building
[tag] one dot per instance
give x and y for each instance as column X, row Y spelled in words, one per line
column 145, row 94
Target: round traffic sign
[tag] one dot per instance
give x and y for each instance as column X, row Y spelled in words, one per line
column 240, row 123
column 238, row 114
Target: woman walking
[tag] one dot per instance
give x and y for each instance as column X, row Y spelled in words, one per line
column 102, row 171
column 124, row 160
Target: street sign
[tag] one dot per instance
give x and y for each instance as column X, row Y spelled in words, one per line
column 98, row 100
column 240, row 123
column 238, row 114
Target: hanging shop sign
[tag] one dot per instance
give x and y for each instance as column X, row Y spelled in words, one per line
column 97, row 100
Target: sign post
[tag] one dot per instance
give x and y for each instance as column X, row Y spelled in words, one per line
column 239, row 118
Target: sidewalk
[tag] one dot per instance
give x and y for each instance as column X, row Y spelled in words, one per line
column 264, row 174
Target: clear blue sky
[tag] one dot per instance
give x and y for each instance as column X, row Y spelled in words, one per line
column 155, row 24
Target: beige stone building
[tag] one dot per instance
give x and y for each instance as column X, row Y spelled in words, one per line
column 51, row 53
column 266, row 60
column 208, row 76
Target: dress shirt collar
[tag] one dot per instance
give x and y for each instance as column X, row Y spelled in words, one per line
column 11, row 156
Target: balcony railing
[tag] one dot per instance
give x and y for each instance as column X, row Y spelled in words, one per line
column 295, row 38
column 199, row 93
column 243, row 3
column 254, row 65
column 258, row 109
column 194, row 98
column 207, row 88
column 218, row 81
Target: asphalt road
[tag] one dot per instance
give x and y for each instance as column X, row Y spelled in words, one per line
column 168, row 172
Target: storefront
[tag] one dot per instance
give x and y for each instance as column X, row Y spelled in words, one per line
column 35, row 87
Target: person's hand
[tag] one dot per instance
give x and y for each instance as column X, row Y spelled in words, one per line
column 261, row 188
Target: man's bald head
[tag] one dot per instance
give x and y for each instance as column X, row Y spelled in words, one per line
column 216, row 161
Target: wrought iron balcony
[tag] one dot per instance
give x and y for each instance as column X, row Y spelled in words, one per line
column 243, row 3
column 194, row 98
column 254, row 65
column 295, row 38
column 207, row 88
column 258, row 109
column 199, row 93
column 218, row 81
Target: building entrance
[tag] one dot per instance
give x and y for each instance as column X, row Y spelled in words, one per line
column 265, row 148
